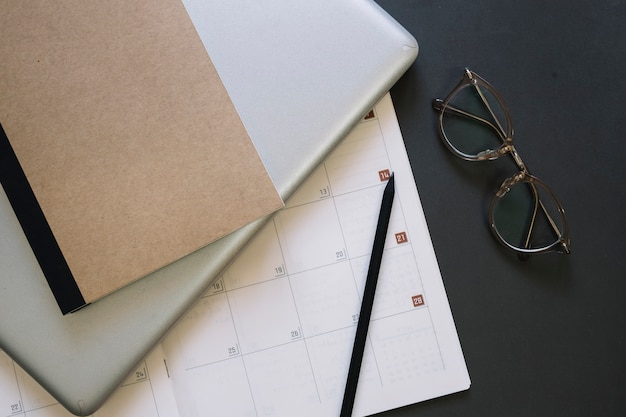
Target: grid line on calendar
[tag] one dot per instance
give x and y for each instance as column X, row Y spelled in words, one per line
column 238, row 354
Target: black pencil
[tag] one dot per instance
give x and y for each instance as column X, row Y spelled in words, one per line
column 368, row 299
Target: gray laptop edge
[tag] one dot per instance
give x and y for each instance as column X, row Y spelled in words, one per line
column 301, row 74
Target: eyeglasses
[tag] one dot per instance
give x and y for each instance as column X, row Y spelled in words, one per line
column 524, row 214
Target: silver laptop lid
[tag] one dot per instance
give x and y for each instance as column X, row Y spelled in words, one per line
column 301, row 74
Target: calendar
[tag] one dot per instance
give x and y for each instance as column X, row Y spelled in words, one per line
column 272, row 337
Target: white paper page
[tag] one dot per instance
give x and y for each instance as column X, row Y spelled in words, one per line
column 147, row 392
column 273, row 336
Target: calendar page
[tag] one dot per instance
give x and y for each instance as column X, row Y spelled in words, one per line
column 273, row 336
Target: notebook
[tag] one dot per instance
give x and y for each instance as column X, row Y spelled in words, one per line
column 117, row 166
column 300, row 75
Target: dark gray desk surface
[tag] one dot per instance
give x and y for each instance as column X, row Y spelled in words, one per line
column 546, row 337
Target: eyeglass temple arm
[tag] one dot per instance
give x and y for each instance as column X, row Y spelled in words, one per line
column 531, row 226
column 488, row 107
column 555, row 228
column 538, row 203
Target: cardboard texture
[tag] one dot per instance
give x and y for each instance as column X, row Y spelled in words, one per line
column 126, row 134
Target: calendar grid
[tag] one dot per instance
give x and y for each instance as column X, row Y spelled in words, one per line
column 377, row 319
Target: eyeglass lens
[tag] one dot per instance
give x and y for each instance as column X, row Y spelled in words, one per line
column 474, row 121
column 527, row 216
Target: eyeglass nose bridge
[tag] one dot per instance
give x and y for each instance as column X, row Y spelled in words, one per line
column 508, row 147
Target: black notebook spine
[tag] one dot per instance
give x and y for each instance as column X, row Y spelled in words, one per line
column 37, row 230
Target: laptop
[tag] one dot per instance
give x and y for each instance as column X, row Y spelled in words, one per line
column 301, row 74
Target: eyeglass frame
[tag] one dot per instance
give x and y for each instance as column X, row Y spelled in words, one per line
column 470, row 78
